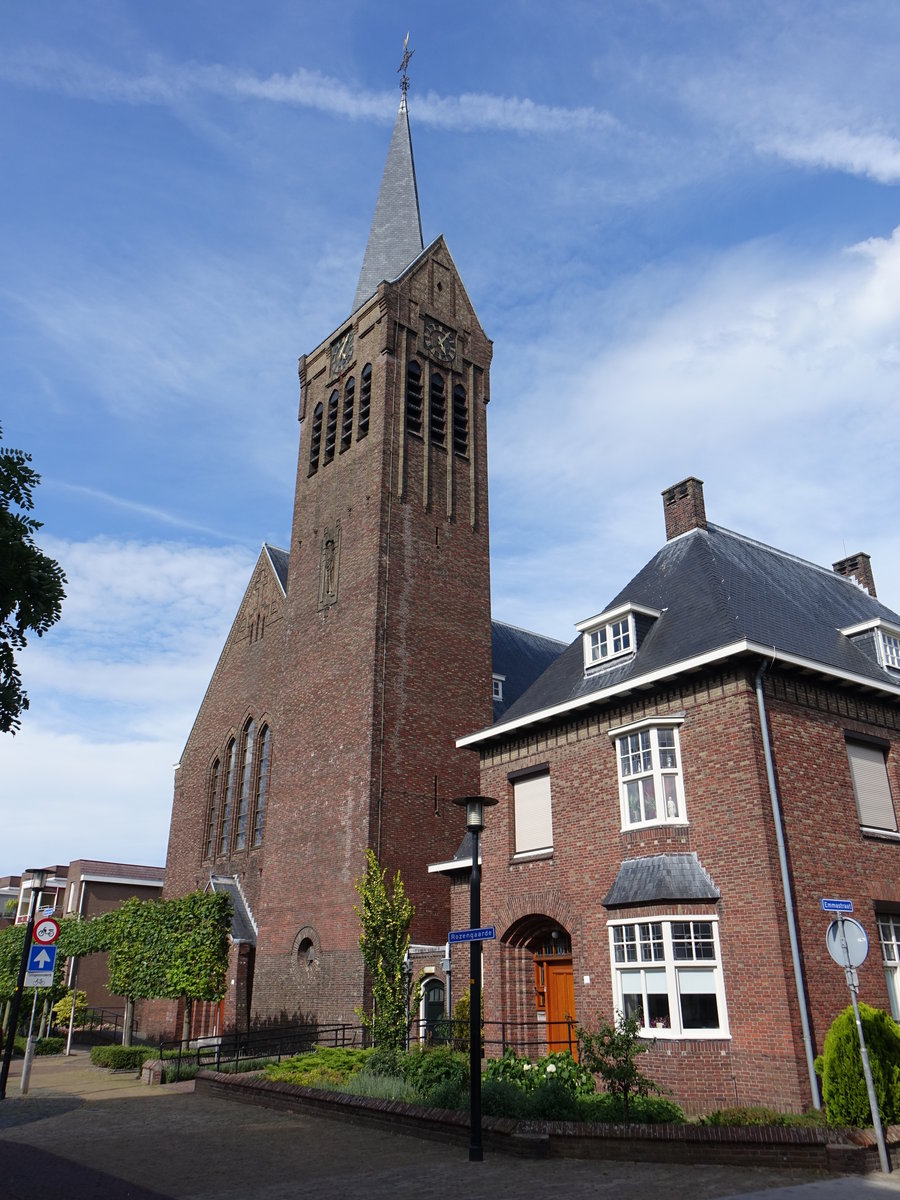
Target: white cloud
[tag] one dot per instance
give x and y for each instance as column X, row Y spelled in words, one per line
column 868, row 153
column 169, row 84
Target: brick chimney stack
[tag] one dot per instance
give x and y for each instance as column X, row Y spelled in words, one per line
column 684, row 507
column 858, row 567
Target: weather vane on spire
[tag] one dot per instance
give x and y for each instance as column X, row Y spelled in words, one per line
column 407, row 55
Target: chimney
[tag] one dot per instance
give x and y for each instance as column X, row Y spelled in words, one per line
column 858, row 567
column 684, row 507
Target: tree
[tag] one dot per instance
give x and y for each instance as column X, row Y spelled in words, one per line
column 843, row 1082
column 612, row 1053
column 31, row 584
column 384, row 941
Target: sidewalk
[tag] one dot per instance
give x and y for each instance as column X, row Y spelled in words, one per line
column 83, row 1133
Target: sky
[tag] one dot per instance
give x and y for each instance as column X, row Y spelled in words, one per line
column 678, row 220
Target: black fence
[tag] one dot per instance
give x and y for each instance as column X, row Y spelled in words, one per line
column 236, row 1051
column 96, row 1024
column 533, row 1039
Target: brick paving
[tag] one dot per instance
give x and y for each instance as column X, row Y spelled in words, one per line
column 83, row 1133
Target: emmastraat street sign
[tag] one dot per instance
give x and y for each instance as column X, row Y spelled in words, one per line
column 837, row 906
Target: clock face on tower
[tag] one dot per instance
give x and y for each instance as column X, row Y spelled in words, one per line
column 440, row 342
column 341, row 352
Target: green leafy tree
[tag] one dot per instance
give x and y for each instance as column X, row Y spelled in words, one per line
column 843, row 1082
column 31, row 584
column 385, row 921
column 612, row 1053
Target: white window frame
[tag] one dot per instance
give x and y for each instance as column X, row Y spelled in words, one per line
column 497, row 686
column 650, row 940
column 889, row 936
column 532, row 814
column 611, row 635
column 889, row 648
column 643, row 744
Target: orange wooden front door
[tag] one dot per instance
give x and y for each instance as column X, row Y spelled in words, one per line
column 560, row 1006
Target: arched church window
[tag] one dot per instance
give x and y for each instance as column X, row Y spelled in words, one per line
column 460, row 421
column 212, row 809
column 438, row 410
column 262, row 779
column 315, row 440
column 227, row 807
column 347, row 419
column 331, row 427
column 240, row 825
column 414, row 398
column 365, row 401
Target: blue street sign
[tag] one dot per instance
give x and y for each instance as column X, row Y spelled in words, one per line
column 837, row 906
column 486, row 934
column 41, row 961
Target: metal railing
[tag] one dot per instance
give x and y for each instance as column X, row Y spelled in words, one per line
column 235, row 1051
column 534, row 1039
column 105, row 1022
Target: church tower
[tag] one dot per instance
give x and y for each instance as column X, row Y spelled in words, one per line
column 385, row 628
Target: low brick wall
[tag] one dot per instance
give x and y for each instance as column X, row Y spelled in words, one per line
column 843, row 1151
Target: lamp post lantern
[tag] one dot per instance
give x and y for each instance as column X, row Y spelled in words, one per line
column 38, row 879
column 475, row 806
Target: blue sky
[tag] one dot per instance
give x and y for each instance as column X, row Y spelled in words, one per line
column 678, row 221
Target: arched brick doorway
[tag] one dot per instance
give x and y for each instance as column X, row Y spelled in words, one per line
column 537, row 986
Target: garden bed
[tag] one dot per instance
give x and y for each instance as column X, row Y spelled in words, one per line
column 843, row 1151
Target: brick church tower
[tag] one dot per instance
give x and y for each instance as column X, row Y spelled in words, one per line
column 360, row 654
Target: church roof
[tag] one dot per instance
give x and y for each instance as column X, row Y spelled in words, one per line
column 519, row 656
column 395, row 238
column 279, row 559
column 720, row 594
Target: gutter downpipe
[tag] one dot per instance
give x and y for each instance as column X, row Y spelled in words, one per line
column 786, row 885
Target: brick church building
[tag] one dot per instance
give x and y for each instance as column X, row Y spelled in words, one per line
column 360, row 653
column 714, row 753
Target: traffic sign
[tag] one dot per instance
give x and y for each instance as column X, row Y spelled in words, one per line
column 485, row 934
column 41, row 962
column 847, row 942
column 46, row 931
column 837, row 906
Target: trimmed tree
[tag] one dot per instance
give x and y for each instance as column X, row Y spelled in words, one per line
column 385, row 919
column 843, row 1082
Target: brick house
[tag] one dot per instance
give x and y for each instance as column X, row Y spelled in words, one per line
column 359, row 654
column 715, row 752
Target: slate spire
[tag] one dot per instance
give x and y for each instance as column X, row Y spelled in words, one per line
column 395, row 238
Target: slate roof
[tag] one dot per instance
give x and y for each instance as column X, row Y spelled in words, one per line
column 520, row 657
column 279, row 559
column 660, row 877
column 243, row 928
column 719, row 592
column 395, row 238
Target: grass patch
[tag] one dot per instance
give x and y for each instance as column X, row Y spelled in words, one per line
column 325, row 1067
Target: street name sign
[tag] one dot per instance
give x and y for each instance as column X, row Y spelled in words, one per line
column 837, row 906
column 41, row 961
column 485, row 934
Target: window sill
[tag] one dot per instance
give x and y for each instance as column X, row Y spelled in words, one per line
column 648, row 825
column 531, row 856
column 695, row 1035
column 887, row 835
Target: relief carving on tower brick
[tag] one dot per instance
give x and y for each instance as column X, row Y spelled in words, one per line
column 329, row 566
column 262, row 605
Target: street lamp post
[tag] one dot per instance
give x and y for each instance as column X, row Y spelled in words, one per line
column 38, row 879
column 475, row 806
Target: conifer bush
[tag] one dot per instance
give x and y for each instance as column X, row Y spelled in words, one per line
column 843, row 1083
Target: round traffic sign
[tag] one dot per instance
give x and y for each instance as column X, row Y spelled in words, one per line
column 857, row 943
column 46, row 931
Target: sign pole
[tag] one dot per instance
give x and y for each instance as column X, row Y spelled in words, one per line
column 29, row 1051
column 853, row 984
column 38, row 879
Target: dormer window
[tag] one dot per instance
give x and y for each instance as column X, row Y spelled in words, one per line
column 499, row 680
column 614, row 634
column 879, row 636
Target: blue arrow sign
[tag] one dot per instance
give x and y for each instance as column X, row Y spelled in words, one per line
column 486, row 934
column 41, row 961
column 837, row 906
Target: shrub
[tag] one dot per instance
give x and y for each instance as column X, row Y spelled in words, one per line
column 324, row 1067
column 62, row 1009
column 552, row 1101
column 502, row 1098
column 758, row 1114
column 44, row 1045
column 843, row 1082
column 612, row 1054
column 121, row 1058
column 427, row 1069
column 174, row 1072
column 382, row 1087
column 559, row 1067
column 450, row 1094
column 644, row 1110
